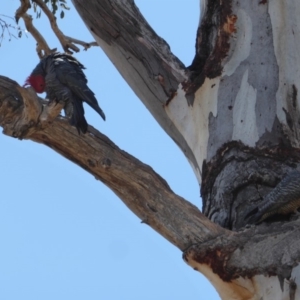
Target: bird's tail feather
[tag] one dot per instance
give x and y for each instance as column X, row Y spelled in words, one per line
column 92, row 102
column 78, row 120
column 100, row 112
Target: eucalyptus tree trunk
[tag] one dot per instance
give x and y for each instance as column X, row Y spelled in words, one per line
column 234, row 113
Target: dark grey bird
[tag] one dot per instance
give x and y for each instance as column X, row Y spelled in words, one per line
column 283, row 200
column 61, row 77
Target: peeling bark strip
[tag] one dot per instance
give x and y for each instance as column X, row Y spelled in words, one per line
column 141, row 189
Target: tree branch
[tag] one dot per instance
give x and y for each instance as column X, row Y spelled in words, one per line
column 42, row 47
column 85, row 45
column 140, row 188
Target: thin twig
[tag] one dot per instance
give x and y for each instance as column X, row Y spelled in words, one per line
column 6, row 27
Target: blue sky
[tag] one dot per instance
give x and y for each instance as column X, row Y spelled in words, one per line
column 65, row 235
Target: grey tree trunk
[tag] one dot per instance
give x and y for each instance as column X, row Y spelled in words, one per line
column 235, row 115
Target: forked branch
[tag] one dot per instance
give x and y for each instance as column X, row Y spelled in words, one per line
column 68, row 43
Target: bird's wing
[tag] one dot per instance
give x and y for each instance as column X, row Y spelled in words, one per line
column 70, row 74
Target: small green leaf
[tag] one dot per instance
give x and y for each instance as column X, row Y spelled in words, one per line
column 62, row 14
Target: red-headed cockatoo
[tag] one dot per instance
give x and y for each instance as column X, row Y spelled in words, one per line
column 61, row 77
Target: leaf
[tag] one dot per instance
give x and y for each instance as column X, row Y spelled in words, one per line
column 64, row 6
column 54, row 8
column 62, row 14
column 20, row 34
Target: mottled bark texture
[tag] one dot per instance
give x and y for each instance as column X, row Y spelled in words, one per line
column 235, row 115
column 253, row 131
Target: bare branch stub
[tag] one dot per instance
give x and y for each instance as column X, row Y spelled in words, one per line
column 79, row 42
column 49, row 113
